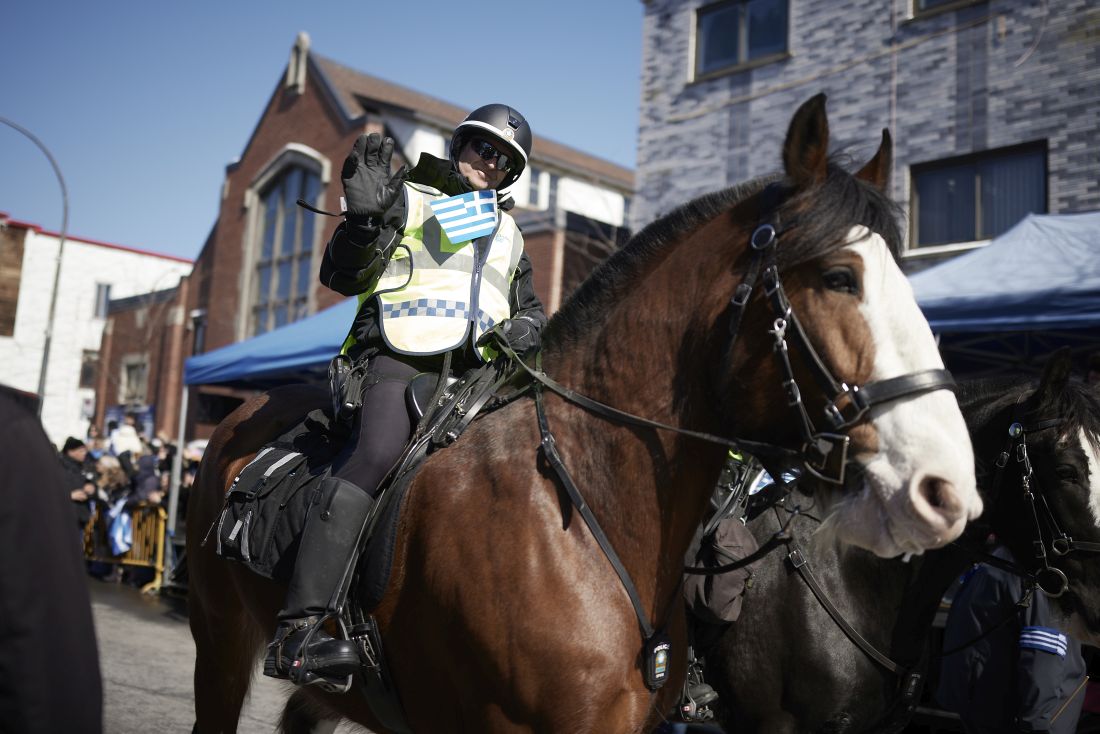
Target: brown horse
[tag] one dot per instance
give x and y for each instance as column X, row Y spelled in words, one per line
column 503, row 613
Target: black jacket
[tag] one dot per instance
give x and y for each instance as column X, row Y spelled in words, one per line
column 75, row 476
column 1025, row 675
column 345, row 267
column 49, row 669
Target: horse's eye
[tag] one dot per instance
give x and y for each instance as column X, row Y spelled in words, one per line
column 1066, row 473
column 841, row 279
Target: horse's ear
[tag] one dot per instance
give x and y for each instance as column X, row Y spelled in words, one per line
column 1055, row 376
column 877, row 170
column 806, row 149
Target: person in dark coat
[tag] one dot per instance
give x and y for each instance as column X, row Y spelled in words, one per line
column 1023, row 674
column 79, row 479
column 49, row 670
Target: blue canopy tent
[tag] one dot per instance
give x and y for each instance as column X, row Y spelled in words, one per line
column 294, row 353
column 1006, row 306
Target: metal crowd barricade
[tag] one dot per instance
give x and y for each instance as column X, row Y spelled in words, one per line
column 148, row 526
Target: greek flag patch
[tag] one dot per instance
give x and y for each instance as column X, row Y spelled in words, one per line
column 1045, row 639
column 466, row 216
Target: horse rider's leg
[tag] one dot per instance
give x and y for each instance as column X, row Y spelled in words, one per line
column 383, row 426
column 302, row 650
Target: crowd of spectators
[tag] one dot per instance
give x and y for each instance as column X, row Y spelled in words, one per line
column 117, row 472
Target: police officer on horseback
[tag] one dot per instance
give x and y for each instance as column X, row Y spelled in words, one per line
column 432, row 298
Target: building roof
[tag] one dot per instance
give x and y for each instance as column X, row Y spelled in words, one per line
column 7, row 221
column 355, row 92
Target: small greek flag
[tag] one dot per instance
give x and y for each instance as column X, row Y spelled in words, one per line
column 1045, row 639
column 121, row 530
column 467, row 216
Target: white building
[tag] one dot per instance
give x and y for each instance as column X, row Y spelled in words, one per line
column 91, row 274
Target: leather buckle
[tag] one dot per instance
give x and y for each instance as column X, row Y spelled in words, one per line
column 796, row 558
column 741, row 295
column 847, row 400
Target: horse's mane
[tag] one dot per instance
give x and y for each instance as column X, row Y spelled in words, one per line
column 1078, row 405
column 815, row 222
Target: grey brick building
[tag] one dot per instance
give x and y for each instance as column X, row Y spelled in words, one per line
column 994, row 105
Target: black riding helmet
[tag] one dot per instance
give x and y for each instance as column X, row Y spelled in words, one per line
column 502, row 126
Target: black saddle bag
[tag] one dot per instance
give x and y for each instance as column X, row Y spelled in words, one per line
column 265, row 510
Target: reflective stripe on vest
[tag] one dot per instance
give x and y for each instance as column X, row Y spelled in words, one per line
column 432, row 290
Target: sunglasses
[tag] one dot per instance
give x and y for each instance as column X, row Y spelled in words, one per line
column 489, row 153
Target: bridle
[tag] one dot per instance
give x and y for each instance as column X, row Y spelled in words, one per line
column 1051, row 580
column 824, row 453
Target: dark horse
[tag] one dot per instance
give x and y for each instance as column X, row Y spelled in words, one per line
column 503, row 613
column 786, row 666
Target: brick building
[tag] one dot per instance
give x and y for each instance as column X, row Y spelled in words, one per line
column 993, row 104
column 144, row 343
column 91, row 274
column 258, row 269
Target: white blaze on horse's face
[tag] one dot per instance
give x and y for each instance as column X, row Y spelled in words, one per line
column 1093, row 456
column 918, row 490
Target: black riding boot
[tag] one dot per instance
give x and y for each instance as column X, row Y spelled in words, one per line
column 302, row 650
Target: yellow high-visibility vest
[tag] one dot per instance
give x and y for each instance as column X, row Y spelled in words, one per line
column 432, row 292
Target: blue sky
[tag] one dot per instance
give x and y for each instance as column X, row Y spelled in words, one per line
column 143, row 103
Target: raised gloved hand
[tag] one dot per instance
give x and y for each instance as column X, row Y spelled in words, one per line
column 520, row 334
column 369, row 187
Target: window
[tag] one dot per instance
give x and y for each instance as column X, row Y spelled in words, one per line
column 284, row 266
column 923, row 7
column 552, row 203
column 730, row 34
column 89, row 364
column 135, row 373
column 977, row 197
column 102, row 298
column 533, row 190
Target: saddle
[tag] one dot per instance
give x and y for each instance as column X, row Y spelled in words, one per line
column 265, row 507
column 439, row 424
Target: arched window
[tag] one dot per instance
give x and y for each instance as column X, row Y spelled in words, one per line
column 284, row 258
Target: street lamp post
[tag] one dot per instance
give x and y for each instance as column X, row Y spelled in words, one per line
column 57, row 267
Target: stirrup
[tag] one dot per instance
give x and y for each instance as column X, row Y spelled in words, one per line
column 697, row 695
column 276, row 665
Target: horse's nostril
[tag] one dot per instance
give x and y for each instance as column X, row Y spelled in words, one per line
column 940, row 495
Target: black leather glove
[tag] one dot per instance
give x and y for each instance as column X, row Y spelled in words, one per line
column 520, row 334
column 369, row 188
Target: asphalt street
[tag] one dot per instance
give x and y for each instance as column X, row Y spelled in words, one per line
column 147, row 660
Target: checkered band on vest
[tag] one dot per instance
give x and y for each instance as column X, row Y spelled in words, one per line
column 436, row 295
column 426, row 307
